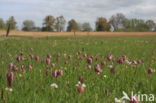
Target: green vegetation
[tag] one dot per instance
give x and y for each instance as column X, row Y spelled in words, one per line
column 118, row 23
column 33, row 85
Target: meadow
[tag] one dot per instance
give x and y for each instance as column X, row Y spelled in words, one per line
column 48, row 69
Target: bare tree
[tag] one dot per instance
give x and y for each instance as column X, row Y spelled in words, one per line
column 60, row 23
column 117, row 21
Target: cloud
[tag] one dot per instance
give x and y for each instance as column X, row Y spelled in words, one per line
column 81, row 10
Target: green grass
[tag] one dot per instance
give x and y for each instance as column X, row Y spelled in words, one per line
column 34, row 85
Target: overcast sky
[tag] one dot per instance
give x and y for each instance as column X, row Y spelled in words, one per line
column 81, row 10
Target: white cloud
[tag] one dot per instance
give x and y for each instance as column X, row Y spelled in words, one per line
column 81, row 10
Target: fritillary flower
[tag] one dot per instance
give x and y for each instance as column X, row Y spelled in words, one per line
column 54, row 74
column 9, row 89
column 29, row 67
column 98, row 69
column 119, row 100
column 80, row 58
column 134, row 100
column 54, row 85
column 74, row 68
column 47, row 72
column 150, row 71
column 60, row 72
column 11, row 65
column 80, row 87
column 66, row 62
column 120, row 60
column 48, row 56
column 103, row 63
column 85, row 55
column 21, row 52
column 110, row 58
column 112, row 70
column 22, row 68
column 58, row 54
column 31, row 56
column 10, row 78
column 89, row 60
column 18, row 59
column 64, row 54
column 81, row 79
column 37, row 58
column 69, row 57
column 31, row 49
column 47, row 61
column 89, row 67
column 53, row 65
column 15, row 68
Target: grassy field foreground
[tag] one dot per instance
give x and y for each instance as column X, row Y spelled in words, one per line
column 106, row 65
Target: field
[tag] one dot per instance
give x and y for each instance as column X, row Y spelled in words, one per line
column 46, row 70
column 45, row 34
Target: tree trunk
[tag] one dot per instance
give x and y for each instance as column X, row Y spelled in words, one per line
column 8, row 30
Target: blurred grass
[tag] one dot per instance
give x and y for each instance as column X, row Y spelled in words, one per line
column 34, row 86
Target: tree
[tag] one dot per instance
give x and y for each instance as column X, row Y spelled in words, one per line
column 73, row 26
column 11, row 21
column 142, row 27
column 134, row 25
column 60, row 23
column 2, row 24
column 102, row 24
column 49, row 23
column 117, row 21
column 28, row 25
column 86, row 27
column 151, row 24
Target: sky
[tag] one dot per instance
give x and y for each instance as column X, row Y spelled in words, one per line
column 80, row 10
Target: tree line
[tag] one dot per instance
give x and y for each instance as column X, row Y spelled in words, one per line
column 117, row 22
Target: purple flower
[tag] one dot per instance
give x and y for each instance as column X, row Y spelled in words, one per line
column 37, row 58
column 10, row 78
column 110, row 58
column 81, row 79
column 89, row 60
column 120, row 60
column 48, row 61
column 11, row 65
column 48, row 56
column 112, row 70
column 53, row 65
column 98, row 69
